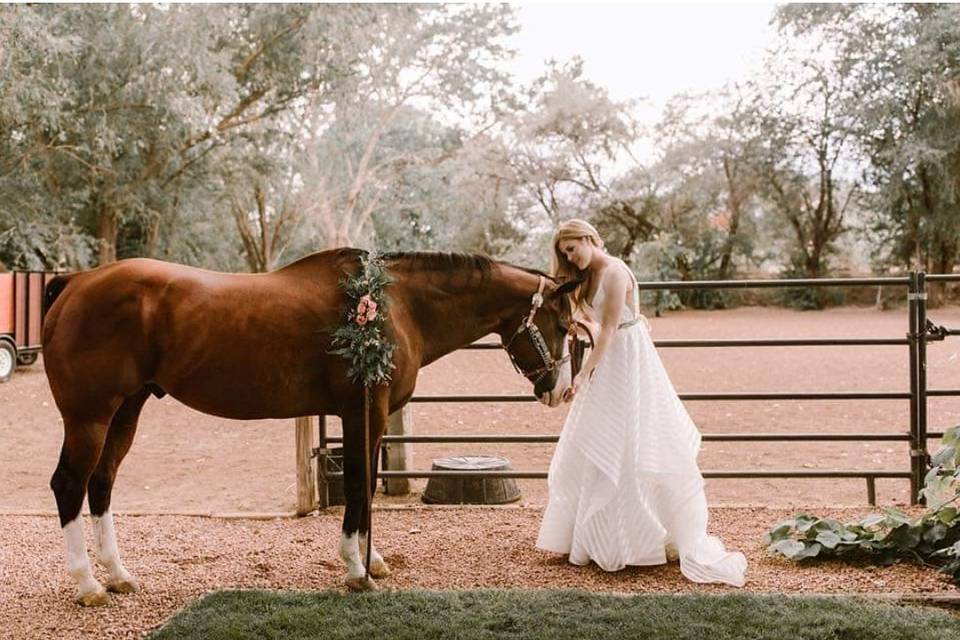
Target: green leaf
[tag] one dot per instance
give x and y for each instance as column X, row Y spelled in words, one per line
column 779, row 532
column 947, row 515
column 935, row 534
column 903, row 537
column 951, row 436
column 828, row 524
column 828, row 539
column 896, row 516
column 804, row 522
column 872, row 520
column 790, row 548
column 944, row 455
column 810, row 551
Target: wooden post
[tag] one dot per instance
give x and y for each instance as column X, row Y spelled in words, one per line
column 306, row 480
column 323, row 485
column 399, row 454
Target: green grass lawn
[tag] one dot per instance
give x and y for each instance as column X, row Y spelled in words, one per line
column 550, row 615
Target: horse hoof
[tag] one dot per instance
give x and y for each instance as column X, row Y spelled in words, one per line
column 363, row 583
column 379, row 569
column 94, row 598
column 123, row 586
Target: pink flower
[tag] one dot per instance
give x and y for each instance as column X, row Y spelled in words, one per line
column 366, row 310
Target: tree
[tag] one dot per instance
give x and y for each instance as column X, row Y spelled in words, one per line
column 134, row 119
column 566, row 135
column 712, row 142
column 439, row 58
column 903, row 65
column 806, row 140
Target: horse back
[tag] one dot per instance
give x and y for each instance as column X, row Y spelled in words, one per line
column 236, row 345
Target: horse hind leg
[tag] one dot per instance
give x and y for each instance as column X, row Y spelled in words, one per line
column 123, row 426
column 82, row 443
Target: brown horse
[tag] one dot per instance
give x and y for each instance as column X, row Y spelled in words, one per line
column 249, row 346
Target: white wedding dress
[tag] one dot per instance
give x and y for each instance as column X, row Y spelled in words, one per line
column 624, row 481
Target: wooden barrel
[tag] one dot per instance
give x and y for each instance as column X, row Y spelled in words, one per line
column 449, row 490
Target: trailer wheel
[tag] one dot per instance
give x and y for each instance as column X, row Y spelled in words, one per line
column 26, row 359
column 8, row 360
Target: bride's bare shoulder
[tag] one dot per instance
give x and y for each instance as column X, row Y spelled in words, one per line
column 613, row 275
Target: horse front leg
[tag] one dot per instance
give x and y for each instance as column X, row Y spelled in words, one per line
column 378, row 566
column 354, row 535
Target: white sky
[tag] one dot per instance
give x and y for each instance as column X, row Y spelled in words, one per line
column 646, row 50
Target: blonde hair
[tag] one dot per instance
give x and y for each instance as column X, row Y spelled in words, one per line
column 563, row 269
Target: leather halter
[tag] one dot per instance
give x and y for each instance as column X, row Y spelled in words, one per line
column 529, row 327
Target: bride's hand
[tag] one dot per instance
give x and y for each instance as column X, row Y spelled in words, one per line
column 571, row 391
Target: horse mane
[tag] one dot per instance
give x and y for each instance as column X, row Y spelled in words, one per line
column 441, row 261
column 427, row 260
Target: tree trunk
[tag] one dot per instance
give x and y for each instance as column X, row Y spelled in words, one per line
column 152, row 240
column 733, row 203
column 727, row 258
column 946, row 258
column 107, row 226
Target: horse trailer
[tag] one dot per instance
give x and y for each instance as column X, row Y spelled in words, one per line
column 21, row 321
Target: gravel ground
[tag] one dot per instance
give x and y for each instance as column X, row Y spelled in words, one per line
column 177, row 559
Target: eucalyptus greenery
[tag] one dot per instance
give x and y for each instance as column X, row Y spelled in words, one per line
column 362, row 338
column 933, row 539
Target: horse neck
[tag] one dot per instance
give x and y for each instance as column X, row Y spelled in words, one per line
column 451, row 310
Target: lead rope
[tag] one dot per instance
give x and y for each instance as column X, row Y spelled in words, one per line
column 367, row 476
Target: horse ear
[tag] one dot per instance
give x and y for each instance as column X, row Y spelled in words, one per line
column 565, row 288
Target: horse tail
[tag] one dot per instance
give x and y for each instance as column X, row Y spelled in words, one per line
column 53, row 290
column 50, row 294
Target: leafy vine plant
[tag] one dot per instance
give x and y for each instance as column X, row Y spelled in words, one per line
column 932, row 539
column 362, row 338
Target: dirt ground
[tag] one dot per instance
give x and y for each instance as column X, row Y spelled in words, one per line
column 185, row 461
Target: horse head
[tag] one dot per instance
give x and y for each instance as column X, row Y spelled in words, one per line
column 538, row 345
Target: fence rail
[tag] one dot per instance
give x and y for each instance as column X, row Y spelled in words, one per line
column 921, row 331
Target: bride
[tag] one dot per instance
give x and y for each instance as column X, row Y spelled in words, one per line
column 624, row 485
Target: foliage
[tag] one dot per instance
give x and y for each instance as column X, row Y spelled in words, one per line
column 419, row 65
column 565, row 133
column 902, row 64
column 545, row 614
column 116, row 119
column 36, row 246
column 244, row 136
column 804, row 298
column 657, row 261
column 933, row 538
column 363, row 339
column 804, row 123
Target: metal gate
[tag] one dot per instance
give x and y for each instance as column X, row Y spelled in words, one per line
column 922, row 330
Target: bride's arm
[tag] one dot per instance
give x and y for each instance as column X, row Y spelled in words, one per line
column 614, row 280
